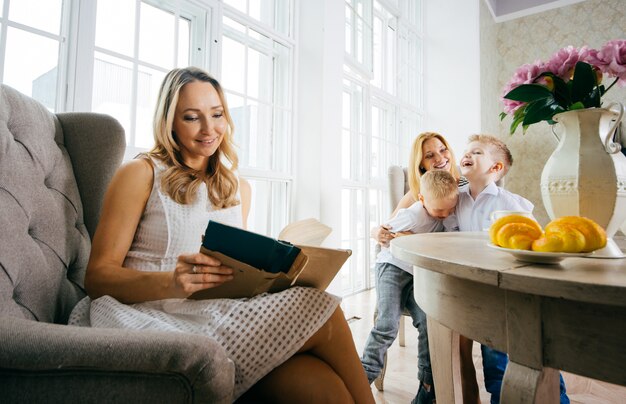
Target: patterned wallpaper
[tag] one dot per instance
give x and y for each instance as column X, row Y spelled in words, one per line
column 507, row 45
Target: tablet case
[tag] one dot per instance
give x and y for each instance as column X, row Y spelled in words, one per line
column 312, row 266
column 254, row 249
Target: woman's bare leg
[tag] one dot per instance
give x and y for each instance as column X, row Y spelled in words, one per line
column 303, row 378
column 333, row 343
column 326, row 366
column 469, row 385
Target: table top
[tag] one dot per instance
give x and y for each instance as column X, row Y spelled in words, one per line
column 466, row 255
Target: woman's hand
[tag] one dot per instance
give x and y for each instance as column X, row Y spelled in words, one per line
column 382, row 234
column 198, row 271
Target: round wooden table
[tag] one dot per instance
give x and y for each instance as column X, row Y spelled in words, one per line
column 569, row 316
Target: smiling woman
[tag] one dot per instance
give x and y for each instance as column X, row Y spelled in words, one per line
column 144, row 261
column 199, row 123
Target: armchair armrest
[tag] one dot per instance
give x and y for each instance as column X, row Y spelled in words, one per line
column 60, row 363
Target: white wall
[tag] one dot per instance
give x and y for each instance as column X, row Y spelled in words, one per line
column 317, row 164
column 318, row 134
column 452, row 69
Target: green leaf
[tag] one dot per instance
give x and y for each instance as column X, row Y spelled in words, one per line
column 519, row 112
column 583, row 82
column 593, row 100
column 528, row 93
column 503, row 115
column 516, row 123
column 577, row 105
column 562, row 92
column 541, row 110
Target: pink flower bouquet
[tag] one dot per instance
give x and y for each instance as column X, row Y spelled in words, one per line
column 571, row 79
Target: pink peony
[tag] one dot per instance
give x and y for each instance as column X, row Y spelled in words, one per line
column 525, row 74
column 611, row 59
column 563, row 62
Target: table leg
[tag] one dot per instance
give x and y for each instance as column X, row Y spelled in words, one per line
column 444, row 346
column 524, row 385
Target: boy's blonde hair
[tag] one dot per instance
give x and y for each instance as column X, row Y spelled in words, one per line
column 438, row 184
column 499, row 150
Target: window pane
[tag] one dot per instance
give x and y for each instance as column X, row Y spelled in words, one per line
column 233, row 65
column 184, row 43
column 268, row 211
column 282, row 144
column 259, row 75
column 42, row 14
column 359, row 32
column 234, row 24
column 148, row 83
column 375, row 166
column 156, row 36
column 115, row 26
column 274, row 13
column 260, row 136
column 282, row 75
column 390, row 59
column 346, row 110
column 113, row 100
column 345, row 155
column 377, row 53
column 349, row 30
column 345, row 214
column 32, row 73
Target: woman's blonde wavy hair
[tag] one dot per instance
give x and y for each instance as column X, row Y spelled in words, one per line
column 179, row 181
column 415, row 170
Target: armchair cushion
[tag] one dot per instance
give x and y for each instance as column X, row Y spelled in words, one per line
column 74, row 364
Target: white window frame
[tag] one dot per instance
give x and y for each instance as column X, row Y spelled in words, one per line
column 61, row 38
column 404, row 127
column 275, row 219
column 202, row 51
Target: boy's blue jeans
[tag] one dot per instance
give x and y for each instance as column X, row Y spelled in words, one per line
column 394, row 292
column 494, row 365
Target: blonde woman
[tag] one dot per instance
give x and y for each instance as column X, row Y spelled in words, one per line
column 144, row 260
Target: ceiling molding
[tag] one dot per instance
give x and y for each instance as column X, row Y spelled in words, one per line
column 506, row 10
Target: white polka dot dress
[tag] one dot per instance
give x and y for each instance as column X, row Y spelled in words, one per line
column 258, row 333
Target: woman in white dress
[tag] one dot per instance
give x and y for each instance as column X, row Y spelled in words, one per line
column 292, row 346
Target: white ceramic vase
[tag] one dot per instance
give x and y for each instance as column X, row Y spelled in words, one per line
column 586, row 174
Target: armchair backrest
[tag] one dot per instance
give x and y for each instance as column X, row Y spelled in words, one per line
column 54, row 170
column 398, row 185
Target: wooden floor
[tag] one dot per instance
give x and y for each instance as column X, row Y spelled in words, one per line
column 401, row 384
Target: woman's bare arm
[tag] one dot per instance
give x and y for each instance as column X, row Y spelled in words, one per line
column 122, row 209
column 246, row 195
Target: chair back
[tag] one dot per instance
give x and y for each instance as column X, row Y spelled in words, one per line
column 398, row 185
column 54, row 170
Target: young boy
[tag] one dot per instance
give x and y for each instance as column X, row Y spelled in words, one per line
column 485, row 161
column 394, row 278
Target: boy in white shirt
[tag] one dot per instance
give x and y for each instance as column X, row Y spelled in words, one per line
column 394, row 278
column 485, row 161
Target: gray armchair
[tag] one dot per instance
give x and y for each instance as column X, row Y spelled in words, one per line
column 54, row 169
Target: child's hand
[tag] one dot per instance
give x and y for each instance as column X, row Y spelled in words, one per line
column 382, row 234
column 402, row 233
